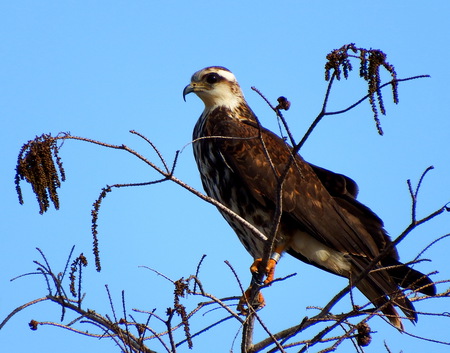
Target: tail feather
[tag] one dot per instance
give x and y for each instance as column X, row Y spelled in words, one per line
column 407, row 277
column 377, row 296
column 381, row 287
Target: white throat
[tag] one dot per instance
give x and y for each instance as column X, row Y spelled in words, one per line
column 220, row 97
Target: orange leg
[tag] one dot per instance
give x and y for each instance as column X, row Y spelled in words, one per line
column 255, row 269
column 269, row 271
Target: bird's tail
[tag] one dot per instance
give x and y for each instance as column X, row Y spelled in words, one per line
column 381, row 287
column 386, row 304
column 409, row 278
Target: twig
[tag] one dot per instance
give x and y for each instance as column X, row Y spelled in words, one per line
column 20, row 308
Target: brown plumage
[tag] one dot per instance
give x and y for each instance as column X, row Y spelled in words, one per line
column 322, row 223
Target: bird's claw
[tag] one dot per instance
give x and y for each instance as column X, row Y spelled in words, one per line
column 246, row 301
column 269, row 271
column 257, row 302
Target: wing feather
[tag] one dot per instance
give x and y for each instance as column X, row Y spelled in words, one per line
column 333, row 220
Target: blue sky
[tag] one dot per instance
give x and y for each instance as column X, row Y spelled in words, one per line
column 99, row 69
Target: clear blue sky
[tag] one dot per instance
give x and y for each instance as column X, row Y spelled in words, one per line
column 99, row 69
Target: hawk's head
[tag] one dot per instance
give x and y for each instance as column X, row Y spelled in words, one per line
column 216, row 86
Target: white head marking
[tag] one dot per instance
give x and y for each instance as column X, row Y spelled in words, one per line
column 225, row 92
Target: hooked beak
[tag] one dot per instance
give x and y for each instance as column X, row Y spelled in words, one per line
column 195, row 87
column 188, row 89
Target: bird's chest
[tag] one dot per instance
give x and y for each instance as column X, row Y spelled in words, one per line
column 222, row 183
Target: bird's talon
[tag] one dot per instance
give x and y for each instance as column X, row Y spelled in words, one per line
column 269, row 271
column 257, row 303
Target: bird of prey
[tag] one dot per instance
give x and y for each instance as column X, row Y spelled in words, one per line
column 321, row 223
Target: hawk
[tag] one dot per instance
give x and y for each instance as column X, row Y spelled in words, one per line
column 322, row 223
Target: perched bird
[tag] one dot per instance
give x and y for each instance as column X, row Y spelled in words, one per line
column 322, row 223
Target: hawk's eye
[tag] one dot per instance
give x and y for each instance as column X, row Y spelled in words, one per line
column 212, row 78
